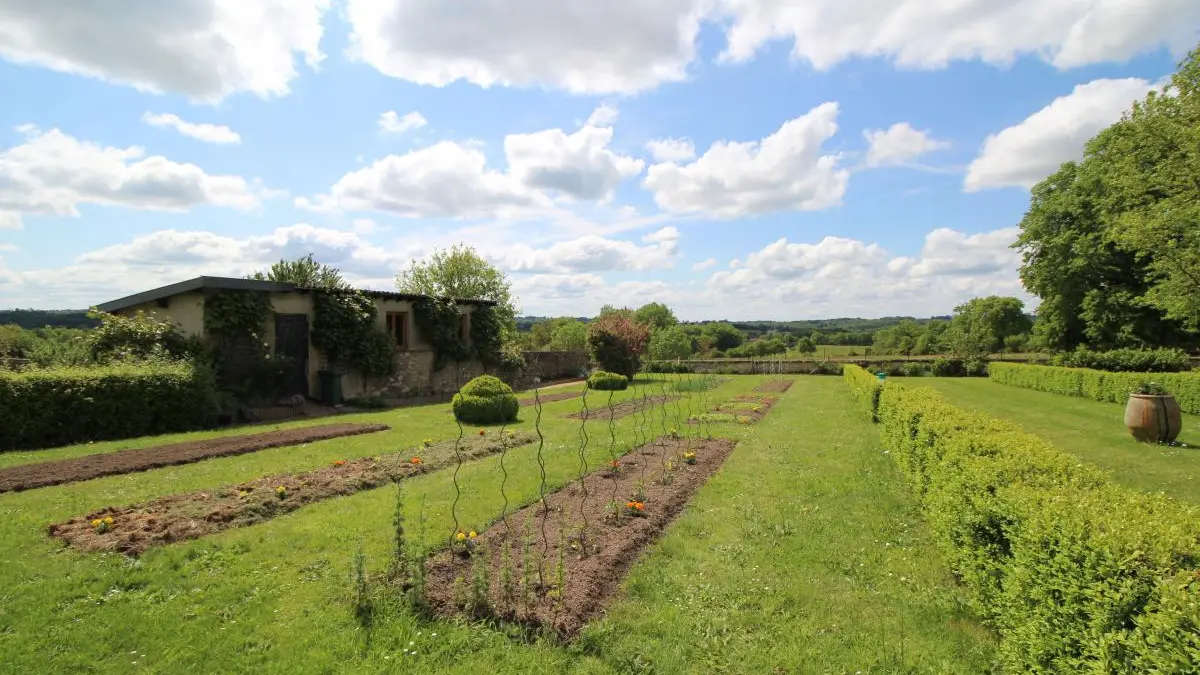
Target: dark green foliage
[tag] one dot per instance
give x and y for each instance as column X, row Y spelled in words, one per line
column 1097, row 385
column 1126, row 360
column 237, row 314
column 914, row 369
column 948, row 368
column 60, row 406
column 1075, row 574
column 605, row 381
column 667, row 367
column 486, row 400
column 440, row 323
column 487, row 339
column 344, row 331
column 618, row 342
column 305, row 272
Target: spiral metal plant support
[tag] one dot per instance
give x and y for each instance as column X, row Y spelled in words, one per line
column 662, row 409
column 504, row 479
column 541, row 460
column 457, row 488
column 612, row 444
column 583, row 438
column 643, row 437
column 675, row 404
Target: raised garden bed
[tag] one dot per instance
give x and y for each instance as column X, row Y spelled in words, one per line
column 42, row 474
column 623, row 409
column 774, row 387
column 594, row 558
column 191, row 515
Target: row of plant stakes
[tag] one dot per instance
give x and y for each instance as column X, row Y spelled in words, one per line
column 536, row 544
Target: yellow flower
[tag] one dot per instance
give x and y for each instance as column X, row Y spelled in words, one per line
column 460, row 536
column 96, row 522
column 108, row 520
column 472, row 534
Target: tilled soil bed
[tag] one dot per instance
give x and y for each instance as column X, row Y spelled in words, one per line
column 594, row 558
column 623, row 409
column 550, row 398
column 774, row 387
column 42, row 474
column 192, row 515
column 741, row 409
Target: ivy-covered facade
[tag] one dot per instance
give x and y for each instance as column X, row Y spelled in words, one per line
column 378, row 342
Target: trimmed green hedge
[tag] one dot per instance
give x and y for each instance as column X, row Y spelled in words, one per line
column 1126, row 360
column 604, row 381
column 865, row 386
column 1097, row 384
column 61, row 406
column 1076, row 574
column 485, row 400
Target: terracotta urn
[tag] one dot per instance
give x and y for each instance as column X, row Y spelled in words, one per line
column 1153, row 418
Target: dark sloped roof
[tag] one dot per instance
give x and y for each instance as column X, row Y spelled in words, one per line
column 233, row 284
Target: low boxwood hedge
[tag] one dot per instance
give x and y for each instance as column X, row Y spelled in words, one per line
column 865, row 387
column 485, row 400
column 1098, row 385
column 605, row 381
column 59, row 406
column 1076, row 574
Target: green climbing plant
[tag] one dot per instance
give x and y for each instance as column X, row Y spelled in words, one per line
column 440, row 323
column 236, row 314
column 344, row 330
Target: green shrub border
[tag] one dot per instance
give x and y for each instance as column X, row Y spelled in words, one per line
column 485, row 400
column 1097, row 385
column 103, row 403
column 1075, row 574
column 605, row 381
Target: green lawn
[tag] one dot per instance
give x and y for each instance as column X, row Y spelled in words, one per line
column 805, row 553
column 1090, row 429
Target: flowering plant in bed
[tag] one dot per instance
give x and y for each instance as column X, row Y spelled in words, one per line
column 102, row 525
column 635, row 509
column 464, row 542
column 689, row 457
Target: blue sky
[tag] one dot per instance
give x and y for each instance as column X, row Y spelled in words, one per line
column 734, row 158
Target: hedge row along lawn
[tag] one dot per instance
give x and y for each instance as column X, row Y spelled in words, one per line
column 1091, row 430
column 1097, row 385
column 1076, row 574
column 809, row 536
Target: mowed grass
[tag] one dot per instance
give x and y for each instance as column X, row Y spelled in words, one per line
column 805, row 553
column 1090, row 429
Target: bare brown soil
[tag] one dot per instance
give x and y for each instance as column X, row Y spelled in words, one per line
column 42, row 474
column 595, row 557
column 551, row 398
column 774, row 387
column 192, row 515
column 621, row 409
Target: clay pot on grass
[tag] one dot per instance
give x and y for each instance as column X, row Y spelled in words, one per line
column 1152, row 415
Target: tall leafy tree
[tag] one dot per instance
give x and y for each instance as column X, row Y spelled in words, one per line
column 1149, row 164
column 723, row 334
column 305, row 272
column 459, row 272
column 668, row 344
column 568, row 335
column 981, row 325
column 655, row 315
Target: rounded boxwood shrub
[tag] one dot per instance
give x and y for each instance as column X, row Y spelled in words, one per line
column 605, row 381
column 485, row 400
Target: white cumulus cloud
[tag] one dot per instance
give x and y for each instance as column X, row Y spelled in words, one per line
column 786, row 171
column 204, row 49
column 52, row 173
column 899, row 144
column 1025, row 153
column 209, row 133
column 391, row 123
column 671, row 149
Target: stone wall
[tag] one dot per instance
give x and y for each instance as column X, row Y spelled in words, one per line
column 556, row 365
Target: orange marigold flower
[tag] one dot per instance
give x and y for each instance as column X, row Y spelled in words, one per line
column 630, row 504
column 340, row 462
column 639, row 506
column 417, row 461
column 615, row 463
column 483, row 432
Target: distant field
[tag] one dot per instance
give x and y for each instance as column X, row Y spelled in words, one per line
column 1092, row 430
column 841, row 352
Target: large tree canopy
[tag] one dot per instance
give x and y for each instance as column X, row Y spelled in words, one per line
column 462, row 274
column 655, row 316
column 305, row 272
column 1111, row 244
column 981, row 325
